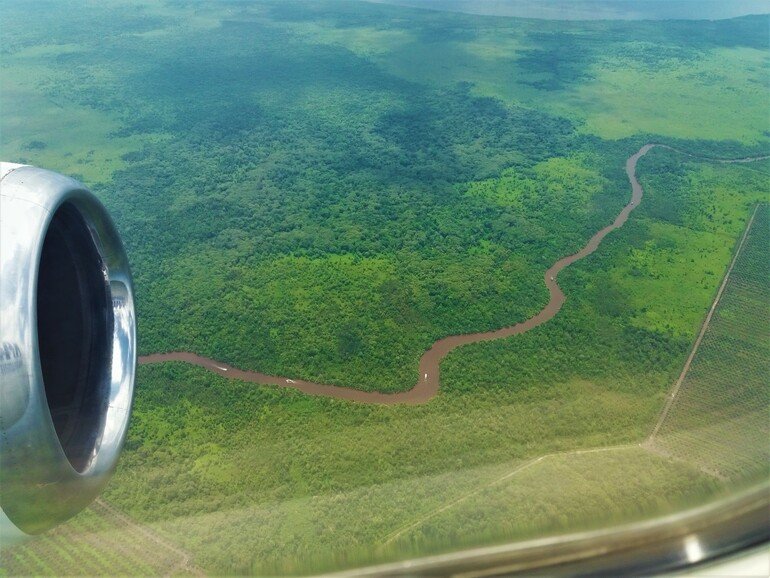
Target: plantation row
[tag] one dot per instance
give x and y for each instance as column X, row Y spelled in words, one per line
column 94, row 543
column 718, row 420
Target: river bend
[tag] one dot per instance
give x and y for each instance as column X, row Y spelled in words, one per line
column 430, row 363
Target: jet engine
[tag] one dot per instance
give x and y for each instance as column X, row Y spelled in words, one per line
column 67, row 349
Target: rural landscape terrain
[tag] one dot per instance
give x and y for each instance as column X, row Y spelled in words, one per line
column 408, row 280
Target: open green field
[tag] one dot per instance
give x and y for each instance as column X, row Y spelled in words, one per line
column 321, row 191
column 562, row 493
column 616, row 79
column 50, row 131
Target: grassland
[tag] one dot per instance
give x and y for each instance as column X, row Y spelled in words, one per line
column 616, row 79
column 622, row 97
column 693, row 214
column 561, row 493
column 52, row 131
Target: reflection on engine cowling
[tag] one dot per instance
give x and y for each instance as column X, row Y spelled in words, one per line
column 12, row 401
column 67, row 349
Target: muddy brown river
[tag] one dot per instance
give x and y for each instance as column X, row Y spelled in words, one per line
column 430, row 364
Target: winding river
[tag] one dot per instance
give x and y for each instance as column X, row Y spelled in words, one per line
column 429, row 374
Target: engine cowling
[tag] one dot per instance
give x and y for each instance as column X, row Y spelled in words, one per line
column 67, row 349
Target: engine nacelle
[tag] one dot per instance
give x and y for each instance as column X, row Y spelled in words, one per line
column 67, row 349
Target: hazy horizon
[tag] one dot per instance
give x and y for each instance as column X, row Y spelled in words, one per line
column 594, row 9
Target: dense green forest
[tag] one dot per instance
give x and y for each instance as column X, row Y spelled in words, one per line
column 295, row 200
column 320, row 190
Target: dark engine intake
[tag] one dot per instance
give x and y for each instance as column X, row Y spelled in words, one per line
column 67, row 349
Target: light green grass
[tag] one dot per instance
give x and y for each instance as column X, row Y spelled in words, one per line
column 364, row 41
column 54, row 132
column 565, row 178
column 721, row 95
column 562, row 493
column 670, row 279
column 301, row 484
column 320, row 532
column 44, row 120
column 632, row 87
column 725, row 194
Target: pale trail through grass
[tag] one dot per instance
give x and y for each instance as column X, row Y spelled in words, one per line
column 526, row 465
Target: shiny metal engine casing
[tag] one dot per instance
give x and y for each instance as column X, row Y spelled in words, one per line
column 41, row 484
